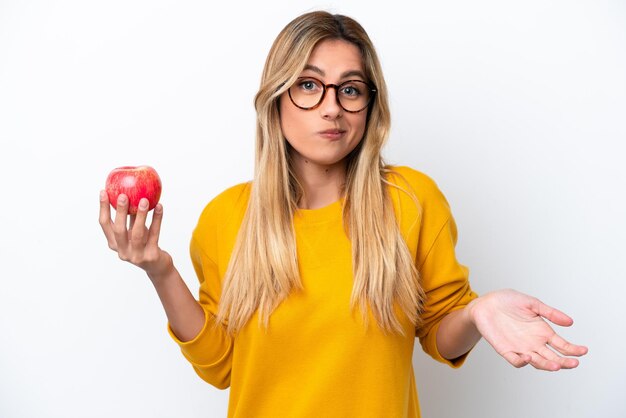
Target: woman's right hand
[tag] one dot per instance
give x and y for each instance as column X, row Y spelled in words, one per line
column 135, row 243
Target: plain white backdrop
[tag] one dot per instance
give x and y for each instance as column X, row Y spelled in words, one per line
column 516, row 109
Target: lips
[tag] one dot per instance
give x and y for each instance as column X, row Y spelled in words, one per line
column 332, row 134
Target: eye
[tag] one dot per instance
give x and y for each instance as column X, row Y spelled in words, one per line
column 309, row 85
column 351, row 90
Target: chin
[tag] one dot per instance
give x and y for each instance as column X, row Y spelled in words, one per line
column 325, row 160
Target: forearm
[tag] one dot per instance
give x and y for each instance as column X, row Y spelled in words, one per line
column 457, row 334
column 184, row 313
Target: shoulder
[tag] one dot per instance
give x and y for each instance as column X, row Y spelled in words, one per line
column 410, row 175
column 230, row 203
column 415, row 182
column 421, row 208
column 234, row 195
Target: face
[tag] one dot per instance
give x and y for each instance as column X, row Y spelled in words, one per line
column 327, row 134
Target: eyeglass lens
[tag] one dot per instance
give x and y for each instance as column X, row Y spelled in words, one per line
column 353, row 95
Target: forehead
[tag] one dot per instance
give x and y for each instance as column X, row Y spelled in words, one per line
column 336, row 56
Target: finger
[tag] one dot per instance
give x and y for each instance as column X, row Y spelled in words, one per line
column 549, row 355
column 119, row 225
column 155, row 226
column 131, row 222
column 138, row 234
column 553, row 315
column 565, row 362
column 105, row 219
column 565, row 347
column 516, row 359
column 569, row 363
column 540, row 362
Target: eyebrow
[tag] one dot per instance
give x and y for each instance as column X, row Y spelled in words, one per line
column 349, row 73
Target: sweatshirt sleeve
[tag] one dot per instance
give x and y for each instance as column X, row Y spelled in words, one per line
column 444, row 279
column 210, row 352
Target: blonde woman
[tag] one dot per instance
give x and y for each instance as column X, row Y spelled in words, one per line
column 317, row 276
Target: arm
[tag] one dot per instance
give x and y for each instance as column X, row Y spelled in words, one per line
column 447, row 333
column 454, row 318
column 457, row 334
column 139, row 246
column 184, row 313
column 207, row 348
column 513, row 323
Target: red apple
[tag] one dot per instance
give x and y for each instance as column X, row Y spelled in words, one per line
column 135, row 183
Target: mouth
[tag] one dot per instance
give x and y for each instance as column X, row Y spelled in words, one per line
column 332, row 133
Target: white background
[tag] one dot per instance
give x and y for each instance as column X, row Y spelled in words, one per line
column 516, row 109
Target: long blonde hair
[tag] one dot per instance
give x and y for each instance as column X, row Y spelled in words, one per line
column 263, row 267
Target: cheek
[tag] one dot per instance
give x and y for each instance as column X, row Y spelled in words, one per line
column 359, row 125
column 288, row 119
column 296, row 125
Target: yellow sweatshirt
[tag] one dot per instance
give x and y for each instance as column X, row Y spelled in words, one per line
column 317, row 359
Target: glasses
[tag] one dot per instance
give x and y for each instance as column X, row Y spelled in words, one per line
column 353, row 95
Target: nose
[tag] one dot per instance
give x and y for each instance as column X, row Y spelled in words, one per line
column 330, row 108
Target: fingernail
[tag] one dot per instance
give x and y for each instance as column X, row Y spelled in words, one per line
column 143, row 204
column 121, row 200
column 102, row 195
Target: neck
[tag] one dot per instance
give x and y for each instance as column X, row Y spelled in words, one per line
column 322, row 184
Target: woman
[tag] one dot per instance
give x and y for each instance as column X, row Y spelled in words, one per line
column 326, row 231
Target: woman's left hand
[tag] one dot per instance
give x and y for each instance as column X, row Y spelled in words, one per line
column 513, row 323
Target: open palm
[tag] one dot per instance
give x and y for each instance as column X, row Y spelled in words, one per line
column 513, row 323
